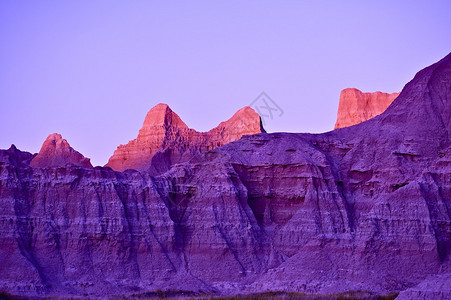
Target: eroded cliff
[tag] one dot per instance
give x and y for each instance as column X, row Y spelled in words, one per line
column 363, row 208
column 164, row 140
column 56, row 152
column 356, row 107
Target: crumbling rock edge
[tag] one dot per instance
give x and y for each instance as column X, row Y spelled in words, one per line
column 362, row 208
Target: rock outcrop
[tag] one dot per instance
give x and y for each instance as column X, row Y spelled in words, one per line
column 164, row 134
column 15, row 157
column 364, row 208
column 436, row 287
column 356, row 107
column 56, row 152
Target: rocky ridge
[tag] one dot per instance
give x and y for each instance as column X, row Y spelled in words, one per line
column 167, row 138
column 362, row 208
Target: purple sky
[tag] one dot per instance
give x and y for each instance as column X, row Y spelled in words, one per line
column 91, row 70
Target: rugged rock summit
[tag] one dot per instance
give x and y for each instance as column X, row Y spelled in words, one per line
column 164, row 134
column 364, row 208
column 14, row 156
column 434, row 287
column 56, row 152
column 356, row 107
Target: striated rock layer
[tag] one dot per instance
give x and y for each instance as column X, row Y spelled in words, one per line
column 56, row 152
column 364, row 208
column 165, row 136
column 434, row 287
column 356, row 107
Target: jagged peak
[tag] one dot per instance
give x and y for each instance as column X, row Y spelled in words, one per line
column 161, row 128
column 56, row 152
column 12, row 148
column 55, row 141
column 162, row 115
column 246, row 113
column 244, row 117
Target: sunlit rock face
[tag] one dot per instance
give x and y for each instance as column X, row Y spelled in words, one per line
column 164, row 139
column 56, row 152
column 363, row 208
column 356, row 107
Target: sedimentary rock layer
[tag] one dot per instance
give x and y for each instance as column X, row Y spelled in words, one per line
column 56, row 152
column 363, row 208
column 164, row 135
column 356, row 107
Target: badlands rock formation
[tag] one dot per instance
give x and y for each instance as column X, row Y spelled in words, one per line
column 56, row 152
column 165, row 136
column 14, row 156
column 364, row 208
column 356, row 107
column 434, row 287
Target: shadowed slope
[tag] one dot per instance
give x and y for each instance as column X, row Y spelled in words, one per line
column 363, row 208
column 56, row 152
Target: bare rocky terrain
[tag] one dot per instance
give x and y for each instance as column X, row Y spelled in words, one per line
column 56, row 152
column 165, row 139
column 363, row 208
column 356, row 107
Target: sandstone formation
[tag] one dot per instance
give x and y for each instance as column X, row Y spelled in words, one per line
column 56, row 152
column 364, row 208
column 356, row 107
column 164, row 135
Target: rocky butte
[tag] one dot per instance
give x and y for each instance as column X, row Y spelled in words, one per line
column 364, row 208
column 56, row 152
column 356, row 107
column 164, row 139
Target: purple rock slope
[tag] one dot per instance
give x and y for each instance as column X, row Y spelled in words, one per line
column 365, row 208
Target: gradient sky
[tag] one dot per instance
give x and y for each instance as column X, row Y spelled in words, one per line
column 91, row 70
